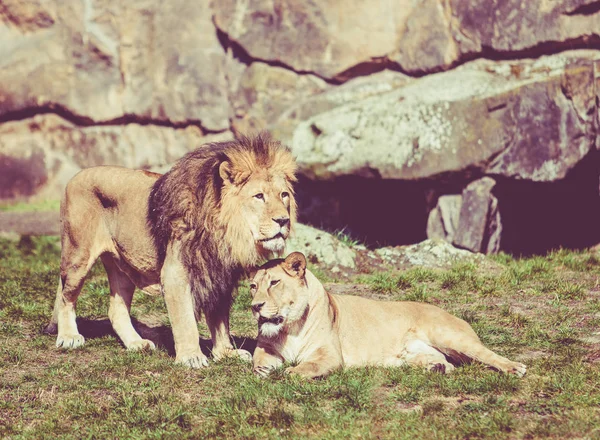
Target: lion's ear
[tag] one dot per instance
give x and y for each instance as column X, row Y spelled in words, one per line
column 295, row 265
column 225, row 172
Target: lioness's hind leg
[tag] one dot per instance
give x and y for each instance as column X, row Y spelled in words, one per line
column 477, row 351
column 121, row 294
column 419, row 353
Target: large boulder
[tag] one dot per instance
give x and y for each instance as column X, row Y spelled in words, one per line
column 531, row 119
column 335, row 39
column 106, row 61
column 40, row 154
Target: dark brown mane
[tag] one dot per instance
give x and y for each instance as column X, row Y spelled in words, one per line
column 185, row 202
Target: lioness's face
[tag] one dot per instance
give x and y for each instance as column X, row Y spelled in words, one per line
column 265, row 205
column 279, row 294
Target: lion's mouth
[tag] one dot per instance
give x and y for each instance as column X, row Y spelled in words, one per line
column 274, row 237
column 274, row 320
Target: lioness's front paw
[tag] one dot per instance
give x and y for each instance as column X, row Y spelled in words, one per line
column 142, row 344
column 69, row 341
column 518, row 369
column 195, row 361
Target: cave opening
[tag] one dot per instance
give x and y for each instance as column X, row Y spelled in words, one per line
column 536, row 217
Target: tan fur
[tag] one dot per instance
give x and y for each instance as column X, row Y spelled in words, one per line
column 105, row 213
column 322, row 332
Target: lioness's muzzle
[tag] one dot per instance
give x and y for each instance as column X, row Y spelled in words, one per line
column 274, row 320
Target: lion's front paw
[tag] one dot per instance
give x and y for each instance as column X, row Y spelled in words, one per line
column 69, row 341
column 243, row 355
column 263, row 370
column 141, row 345
column 194, row 361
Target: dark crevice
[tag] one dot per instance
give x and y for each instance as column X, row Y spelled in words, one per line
column 85, row 121
column 379, row 64
column 241, row 54
column 589, row 9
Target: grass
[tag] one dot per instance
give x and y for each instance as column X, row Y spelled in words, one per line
column 543, row 311
column 39, row 206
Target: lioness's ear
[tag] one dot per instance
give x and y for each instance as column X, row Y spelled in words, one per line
column 225, row 172
column 251, row 273
column 295, row 265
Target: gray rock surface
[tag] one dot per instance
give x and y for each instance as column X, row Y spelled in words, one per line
column 470, row 220
column 39, row 155
column 334, row 256
column 479, row 225
column 414, row 36
column 105, row 60
column 443, row 219
column 534, row 119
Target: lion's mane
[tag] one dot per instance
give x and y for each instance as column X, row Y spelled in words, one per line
column 188, row 203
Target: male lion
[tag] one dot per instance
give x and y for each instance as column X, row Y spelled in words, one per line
column 190, row 233
column 299, row 321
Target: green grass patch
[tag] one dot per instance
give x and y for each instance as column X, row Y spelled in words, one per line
column 37, row 206
column 543, row 311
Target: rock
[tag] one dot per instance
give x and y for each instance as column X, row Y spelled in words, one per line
column 528, row 120
column 321, row 248
column 469, row 221
column 265, row 92
column 39, row 155
column 479, row 226
column 335, row 257
column 443, row 219
column 354, row 90
column 431, row 253
column 312, row 36
column 103, row 61
column 412, row 36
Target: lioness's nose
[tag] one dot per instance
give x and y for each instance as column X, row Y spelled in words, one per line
column 281, row 221
column 256, row 307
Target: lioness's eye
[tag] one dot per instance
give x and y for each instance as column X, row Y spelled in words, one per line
column 285, row 194
column 274, row 282
column 252, row 286
column 259, row 196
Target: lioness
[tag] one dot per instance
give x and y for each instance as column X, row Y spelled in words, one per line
column 298, row 321
column 190, row 234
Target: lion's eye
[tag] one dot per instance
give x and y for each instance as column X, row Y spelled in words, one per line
column 259, row 196
column 274, row 282
column 252, row 286
column 285, row 194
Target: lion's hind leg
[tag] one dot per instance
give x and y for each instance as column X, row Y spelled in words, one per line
column 75, row 265
column 121, row 294
column 418, row 352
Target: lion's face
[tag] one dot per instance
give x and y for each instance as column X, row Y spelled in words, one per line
column 265, row 206
column 279, row 294
column 258, row 210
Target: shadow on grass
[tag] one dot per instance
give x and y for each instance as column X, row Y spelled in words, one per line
column 161, row 335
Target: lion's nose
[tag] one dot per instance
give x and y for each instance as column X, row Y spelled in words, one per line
column 256, row 307
column 281, row 221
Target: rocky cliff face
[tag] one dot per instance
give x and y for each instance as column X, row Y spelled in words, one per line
column 437, row 94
